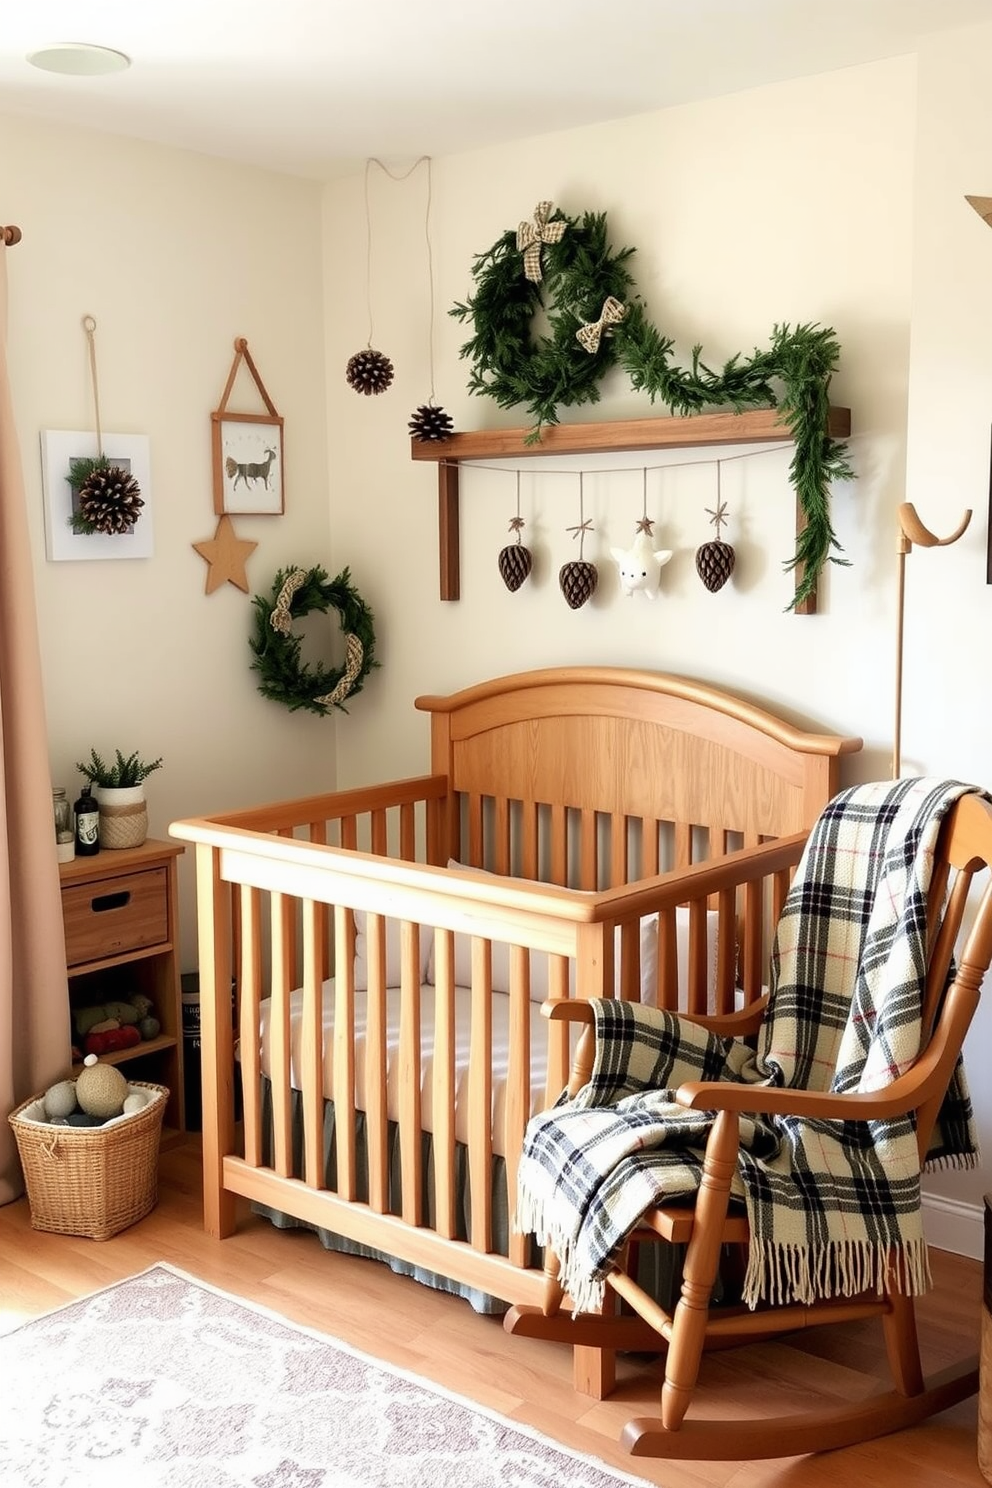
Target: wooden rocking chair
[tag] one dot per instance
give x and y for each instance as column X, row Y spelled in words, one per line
column 709, row 1223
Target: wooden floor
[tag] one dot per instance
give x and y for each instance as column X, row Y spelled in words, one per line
column 441, row 1339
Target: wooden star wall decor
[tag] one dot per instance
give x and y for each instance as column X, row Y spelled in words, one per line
column 983, row 206
column 226, row 553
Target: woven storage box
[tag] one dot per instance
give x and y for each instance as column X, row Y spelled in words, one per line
column 91, row 1181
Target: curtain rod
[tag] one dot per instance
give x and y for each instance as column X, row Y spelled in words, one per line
column 10, row 235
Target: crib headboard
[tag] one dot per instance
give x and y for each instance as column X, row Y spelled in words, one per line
column 596, row 776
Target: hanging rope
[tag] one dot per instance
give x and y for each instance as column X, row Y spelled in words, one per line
column 89, row 326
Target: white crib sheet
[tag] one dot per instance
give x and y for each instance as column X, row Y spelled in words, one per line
column 500, row 1044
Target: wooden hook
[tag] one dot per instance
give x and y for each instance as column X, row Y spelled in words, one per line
column 912, row 530
column 10, row 235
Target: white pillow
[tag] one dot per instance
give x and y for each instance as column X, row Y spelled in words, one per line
column 539, row 975
column 392, row 951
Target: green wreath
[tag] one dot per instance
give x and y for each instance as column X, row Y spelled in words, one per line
column 565, row 267
column 285, row 678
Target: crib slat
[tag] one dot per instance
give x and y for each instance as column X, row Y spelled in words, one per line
column 411, row 1154
column 311, row 1039
column 480, row 1096
column 443, row 1088
column 752, row 941
column 282, row 980
column 476, row 841
column 726, row 953
column 344, row 1082
column 517, row 1108
column 376, row 1116
column 249, row 1002
column 559, row 1058
column 408, row 832
column 682, row 842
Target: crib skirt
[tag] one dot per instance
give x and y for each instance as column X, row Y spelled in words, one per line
column 659, row 1266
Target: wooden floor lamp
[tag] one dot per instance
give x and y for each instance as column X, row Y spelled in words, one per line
column 912, row 530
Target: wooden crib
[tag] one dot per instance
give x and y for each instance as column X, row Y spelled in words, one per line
column 580, row 828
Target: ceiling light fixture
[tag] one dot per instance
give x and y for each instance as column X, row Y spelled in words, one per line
column 79, row 59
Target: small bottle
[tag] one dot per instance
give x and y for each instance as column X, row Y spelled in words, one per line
column 64, row 837
column 87, row 823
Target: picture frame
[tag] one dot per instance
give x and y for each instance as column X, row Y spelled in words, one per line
column 248, row 464
column 59, row 447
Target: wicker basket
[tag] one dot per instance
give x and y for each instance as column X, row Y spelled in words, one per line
column 91, row 1181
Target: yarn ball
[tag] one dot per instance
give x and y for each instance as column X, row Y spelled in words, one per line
column 60, row 1099
column 101, row 1089
column 137, row 1101
column 149, row 1027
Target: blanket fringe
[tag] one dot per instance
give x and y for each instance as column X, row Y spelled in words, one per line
column 781, row 1273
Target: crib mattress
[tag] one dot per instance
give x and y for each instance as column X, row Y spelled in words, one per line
column 500, row 1059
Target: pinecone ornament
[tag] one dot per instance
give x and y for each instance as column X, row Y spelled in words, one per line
column 109, row 500
column 369, row 371
column 715, row 559
column 577, row 581
column 430, row 422
column 515, row 561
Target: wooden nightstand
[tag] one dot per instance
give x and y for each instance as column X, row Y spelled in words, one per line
column 121, row 915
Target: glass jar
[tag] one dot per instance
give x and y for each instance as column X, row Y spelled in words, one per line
column 64, row 831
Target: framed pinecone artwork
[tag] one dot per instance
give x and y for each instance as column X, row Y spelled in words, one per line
column 98, row 501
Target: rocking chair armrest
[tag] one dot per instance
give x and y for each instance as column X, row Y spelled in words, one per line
column 725, row 1025
column 926, row 1079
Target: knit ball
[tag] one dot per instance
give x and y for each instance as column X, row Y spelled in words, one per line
column 136, row 1101
column 101, row 1089
column 60, row 1099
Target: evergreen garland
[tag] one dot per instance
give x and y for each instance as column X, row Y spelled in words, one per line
column 550, row 370
column 285, row 677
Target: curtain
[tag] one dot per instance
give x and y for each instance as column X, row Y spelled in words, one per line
column 34, row 999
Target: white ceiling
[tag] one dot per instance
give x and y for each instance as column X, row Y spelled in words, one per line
column 315, row 87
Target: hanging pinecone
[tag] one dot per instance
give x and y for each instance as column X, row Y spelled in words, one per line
column 108, row 500
column 715, row 559
column 369, row 371
column 577, row 581
column 515, row 560
column 430, row 422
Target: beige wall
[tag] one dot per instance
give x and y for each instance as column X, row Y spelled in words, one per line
column 175, row 255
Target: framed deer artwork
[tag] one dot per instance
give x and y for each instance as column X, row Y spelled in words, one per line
column 248, row 452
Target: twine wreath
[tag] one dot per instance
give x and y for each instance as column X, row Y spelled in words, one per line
column 285, row 677
column 565, row 267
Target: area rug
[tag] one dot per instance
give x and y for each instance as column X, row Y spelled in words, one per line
column 162, row 1381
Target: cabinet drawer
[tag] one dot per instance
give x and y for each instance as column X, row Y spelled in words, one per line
column 114, row 916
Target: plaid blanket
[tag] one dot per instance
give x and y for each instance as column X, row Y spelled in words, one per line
column 834, row 1206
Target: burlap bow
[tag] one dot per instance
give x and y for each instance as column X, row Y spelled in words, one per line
column 589, row 335
column 530, row 236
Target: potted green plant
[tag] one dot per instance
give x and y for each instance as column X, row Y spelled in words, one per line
column 119, row 788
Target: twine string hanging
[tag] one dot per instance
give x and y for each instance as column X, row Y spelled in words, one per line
column 89, row 326
column 108, row 498
column 584, row 523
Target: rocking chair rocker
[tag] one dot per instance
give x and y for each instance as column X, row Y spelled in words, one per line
column 708, row 1220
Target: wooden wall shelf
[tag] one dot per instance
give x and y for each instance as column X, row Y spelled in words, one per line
column 755, row 426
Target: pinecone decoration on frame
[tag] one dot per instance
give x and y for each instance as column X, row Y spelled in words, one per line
column 515, row 560
column 715, row 559
column 369, row 371
column 109, row 501
column 430, row 422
